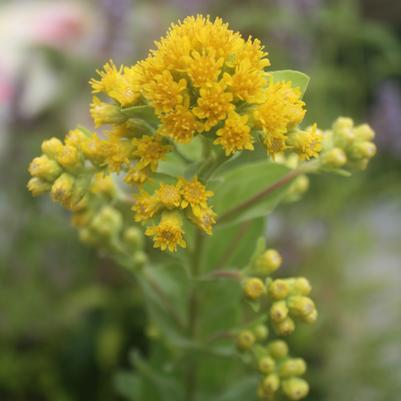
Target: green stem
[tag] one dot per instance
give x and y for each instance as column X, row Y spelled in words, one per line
column 193, row 310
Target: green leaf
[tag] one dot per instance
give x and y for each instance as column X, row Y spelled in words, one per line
column 298, row 79
column 240, row 184
column 144, row 112
column 128, row 385
column 243, row 389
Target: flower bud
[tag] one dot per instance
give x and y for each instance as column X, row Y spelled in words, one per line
column 295, row 388
column 279, row 289
column 63, row 189
column 270, row 384
column 278, row 311
column 140, row 259
column 37, row 186
column 254, row 288
column 106, row 113
column 52, row 147
column 86, row 236
column 269, row 262
column 261, row 332
column 292, row 367
column 343, row 132
column 44, row 168
column 302, row 286
column 245, row 340
column 69, row 158
column 133, row 236
column 278, row 349
column 363, row 150
column 107, row 221
column 285, row 327
column 311, row 318
column 334, row 158
column 300, row 306
column 343, row 123
column 363, row 132
column 267, row 365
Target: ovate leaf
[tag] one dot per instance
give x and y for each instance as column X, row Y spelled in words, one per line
column 298, row 79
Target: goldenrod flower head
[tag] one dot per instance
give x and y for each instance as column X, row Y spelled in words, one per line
column 270, row 385
column 76, row 138
column 168, row 234
column 284, row 327
column 145, row 206
column 213, row 104
column 194, row 194
column 180, row 125
column 278, row 349
column 268, row 262
column 44, row 168
column 105, row 113
column 169, row 196
column 308, row 143
column 149, row 150
column 235, row 135
column 278, row 311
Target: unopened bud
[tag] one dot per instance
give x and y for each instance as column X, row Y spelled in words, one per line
column 295, row 388
column 292, row 367
column 285, row 327
column 334, row 158
column 245, row 340
column 134, row 237
column 106, row 113
column 270, row 384
column 254, row 288
column 279, row 289
column 44, row 168
column 363, row 132
column 63, row 189
column 269, row 262
column 301, row 306
column 278, row 311
column 37, row 186
column 311, row 318
column 267, row 365
column 140, row 259
column 278, row 349
column 52, row 147
column 70, row 158
column 107, row 221
column 302, row 286
column 363, row 150
column 261, row 332
column 86, row 236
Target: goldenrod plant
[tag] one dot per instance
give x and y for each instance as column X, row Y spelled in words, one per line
column 200, row 141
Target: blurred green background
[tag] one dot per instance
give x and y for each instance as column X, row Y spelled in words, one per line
column 69, row 317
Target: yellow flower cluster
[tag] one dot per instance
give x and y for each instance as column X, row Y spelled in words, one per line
column 203, row 78
column 173, row 202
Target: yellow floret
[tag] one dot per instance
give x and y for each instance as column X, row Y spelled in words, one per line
column 308, row 143
column 214, row 104
column 149, row 150
column 169, row 196
column 145, row 206
column 194, row 194
column 168, row 234
column 235, row 135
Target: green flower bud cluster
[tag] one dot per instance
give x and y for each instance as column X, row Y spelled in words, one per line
column 102, row 224
column 60, row 170
column 347, row 146
column 290, row 303
column 280, row 373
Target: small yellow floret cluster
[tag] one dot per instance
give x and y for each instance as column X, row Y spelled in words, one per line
column 168, row 205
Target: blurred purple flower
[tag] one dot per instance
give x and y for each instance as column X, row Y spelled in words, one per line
column 386, row 117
